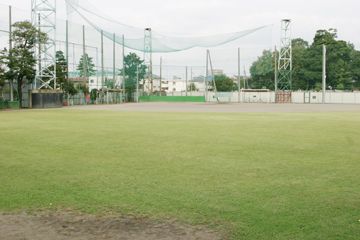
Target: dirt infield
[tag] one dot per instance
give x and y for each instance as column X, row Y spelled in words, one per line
column 224, row 108
column 71, row 226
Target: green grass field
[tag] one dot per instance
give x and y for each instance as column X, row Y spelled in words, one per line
column 254, row 176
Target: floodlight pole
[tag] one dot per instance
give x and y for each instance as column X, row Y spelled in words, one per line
column 10, row 48
column 324, row 75
column 44, row 19
column 285, row 58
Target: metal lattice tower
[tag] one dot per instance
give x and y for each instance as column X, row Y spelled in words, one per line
column 148, row 84
column 285, row 58
column 44, row 19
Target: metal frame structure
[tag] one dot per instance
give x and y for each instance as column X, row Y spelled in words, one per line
column 284, row 77
column 44, row 19
column 148, row 85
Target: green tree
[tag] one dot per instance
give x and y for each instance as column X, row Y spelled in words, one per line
column 20, row 59
column 132, row 64
column 355, row 67
column 299, row 49
column 262, row 71
column 61, row 74
column 86, row 66
column 224, row 83
column 339, row 53
column 192, row 87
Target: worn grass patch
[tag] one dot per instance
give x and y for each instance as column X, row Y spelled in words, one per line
column 255, row 176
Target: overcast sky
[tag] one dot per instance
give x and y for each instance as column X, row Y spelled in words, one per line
column 201, row 17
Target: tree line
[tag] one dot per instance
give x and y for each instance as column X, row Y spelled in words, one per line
column 343, row 64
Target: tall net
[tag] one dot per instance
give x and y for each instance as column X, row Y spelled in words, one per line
column 82, row 9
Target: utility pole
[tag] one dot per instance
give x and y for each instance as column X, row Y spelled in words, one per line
column 324, row 75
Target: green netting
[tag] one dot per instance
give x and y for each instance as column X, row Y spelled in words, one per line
column 134, row 36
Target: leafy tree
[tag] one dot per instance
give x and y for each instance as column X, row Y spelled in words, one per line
column 355, row 66
column 339, row 73
column 20, row 59
column 299, row 49
column 192, row 87
column 224, row 83
column 343, row 64
column 86, row 66
column 132, row 63
column 61, row 74
column 262, row 71
column 109, row 83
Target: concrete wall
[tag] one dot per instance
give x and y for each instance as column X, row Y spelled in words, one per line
column 297, row 97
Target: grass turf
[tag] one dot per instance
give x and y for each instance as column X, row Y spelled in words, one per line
column 255, row 176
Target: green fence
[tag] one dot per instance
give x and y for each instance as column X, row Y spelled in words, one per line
column 9, row 105
column 172, row 99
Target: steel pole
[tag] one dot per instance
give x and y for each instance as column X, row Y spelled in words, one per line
column 324, row 75
column 84, row 55
column 137, row 83
column 10, row 48
column 67, row 50
column 102, row 60
column 160, row 75
column 123, row 60
column 114, row 59
column 239, row 78
column 186, row 81
column 206, row 75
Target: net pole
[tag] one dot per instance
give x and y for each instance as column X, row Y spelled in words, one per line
column 160, row 75
column 206, row 75
column 102, row 60
column 10, row 48
column 276, row 71
column 186, row 81
column 114, row 58
column 67, row 49
column 137, row 83
column 84, row 54
column 324, row 75
column 123, row 58
column 239, row 78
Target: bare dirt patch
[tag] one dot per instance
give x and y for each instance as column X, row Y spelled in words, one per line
column 68, row 225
